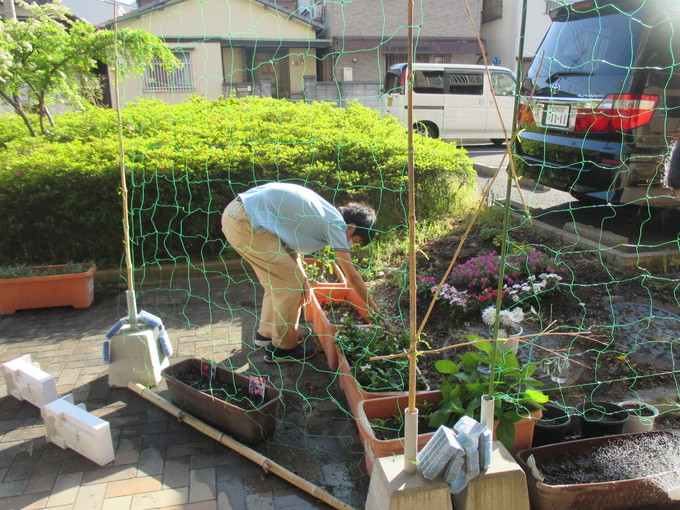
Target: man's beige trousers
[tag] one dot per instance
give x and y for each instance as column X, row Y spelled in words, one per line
column 278, row 273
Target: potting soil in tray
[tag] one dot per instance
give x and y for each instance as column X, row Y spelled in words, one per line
column 622, row 459
column 222, row 390
column 337, row 311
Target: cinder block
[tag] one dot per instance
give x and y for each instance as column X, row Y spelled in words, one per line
column 504, row 485
column 25, row 381
column 136, row 356
column 70, row 426
column 391, row 488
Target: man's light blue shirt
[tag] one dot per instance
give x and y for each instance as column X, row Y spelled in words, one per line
column 303, row 220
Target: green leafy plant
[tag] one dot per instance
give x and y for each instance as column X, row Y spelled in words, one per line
column 465, row 382
column 360, row 343
column 23, row 271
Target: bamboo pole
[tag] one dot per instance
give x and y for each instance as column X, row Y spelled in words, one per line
column 130, row 293
column 265, row 463
column 411, row 421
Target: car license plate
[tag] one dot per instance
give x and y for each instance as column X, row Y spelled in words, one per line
column 556, row 115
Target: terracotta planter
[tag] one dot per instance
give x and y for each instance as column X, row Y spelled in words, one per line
column 249, row 426
column 524, row 431
column 614, row 495
column 74, row 289
column 387, row 407
column 325, row 330
column 641, row 416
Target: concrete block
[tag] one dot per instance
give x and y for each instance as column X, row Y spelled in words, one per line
column 136, row 355
column 391, row 488
column 504, row 482
column 25, row 381
column 70, row 426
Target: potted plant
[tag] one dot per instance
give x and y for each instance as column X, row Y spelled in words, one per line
column 509, row 326
column 325, row 328
column 517, row 404
column 642, row 416
column 380, row 422
column 23, row 287
column 363, row 378
column 244, row 406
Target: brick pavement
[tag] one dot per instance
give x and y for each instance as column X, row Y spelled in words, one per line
column 160, row 462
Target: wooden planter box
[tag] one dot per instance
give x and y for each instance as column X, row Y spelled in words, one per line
column 322, row 327
column 250, row 426
column 386, row 407
column 75, row 289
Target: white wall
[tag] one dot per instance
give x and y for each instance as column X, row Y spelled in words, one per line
column 502, row 35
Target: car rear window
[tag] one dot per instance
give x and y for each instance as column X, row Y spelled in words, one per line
column 589, row 55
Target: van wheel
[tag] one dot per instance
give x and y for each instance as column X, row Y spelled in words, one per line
column 426, row 130
column 498, row 141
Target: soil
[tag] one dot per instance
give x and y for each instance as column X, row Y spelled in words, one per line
column 623, row 459
column 221, row 390
column 606, row 367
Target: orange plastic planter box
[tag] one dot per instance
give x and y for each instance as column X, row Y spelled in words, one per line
column 323, row 329
column 75, row 289
column 386, row 407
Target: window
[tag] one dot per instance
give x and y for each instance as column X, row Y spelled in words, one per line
column 157, row 79
column 491, row 10
column 428, row 82
column 503, row 84
column 471, row 84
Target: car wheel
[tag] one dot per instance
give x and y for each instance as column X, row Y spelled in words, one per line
column 425, row 130
column 498, row 141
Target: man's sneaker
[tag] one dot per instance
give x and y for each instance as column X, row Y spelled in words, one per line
column 278, row 355
column 262, row 341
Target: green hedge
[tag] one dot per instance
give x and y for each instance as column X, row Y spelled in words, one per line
column 60, row 195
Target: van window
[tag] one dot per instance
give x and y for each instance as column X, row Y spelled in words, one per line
column 589, row 56
column 428, row 82
column 393, row 82
column 466, row 83
column 503, row 84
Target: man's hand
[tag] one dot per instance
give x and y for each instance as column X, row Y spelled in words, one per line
column 306, row 292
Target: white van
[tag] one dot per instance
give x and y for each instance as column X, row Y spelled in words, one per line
column 452, row 101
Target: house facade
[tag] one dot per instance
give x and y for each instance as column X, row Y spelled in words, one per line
column 227, row 46
column 501, row 29
column 368, row 36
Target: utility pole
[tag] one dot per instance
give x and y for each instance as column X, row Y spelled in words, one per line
column 10, row 12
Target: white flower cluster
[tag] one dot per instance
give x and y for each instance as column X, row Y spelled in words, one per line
column 509, row 320
column 533, row 285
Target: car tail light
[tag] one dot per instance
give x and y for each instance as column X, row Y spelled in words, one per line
column 616, row 112
column 525, row 117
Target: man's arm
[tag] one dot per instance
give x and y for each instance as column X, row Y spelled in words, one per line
column 354, row 279
column 306, row 288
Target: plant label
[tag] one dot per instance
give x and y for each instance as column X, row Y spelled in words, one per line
column 257, row 385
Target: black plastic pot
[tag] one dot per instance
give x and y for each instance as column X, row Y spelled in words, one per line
column 553, row 426
column 601, row 419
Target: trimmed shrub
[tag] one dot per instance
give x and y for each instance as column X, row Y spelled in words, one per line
column 60, row 194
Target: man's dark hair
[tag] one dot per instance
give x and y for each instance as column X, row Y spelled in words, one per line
column 361, row 215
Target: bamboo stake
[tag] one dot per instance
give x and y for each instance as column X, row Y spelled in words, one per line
column 130, row 294
column 411, row 429
column 265, row 463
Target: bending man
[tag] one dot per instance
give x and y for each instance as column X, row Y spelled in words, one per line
column 270, row 226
